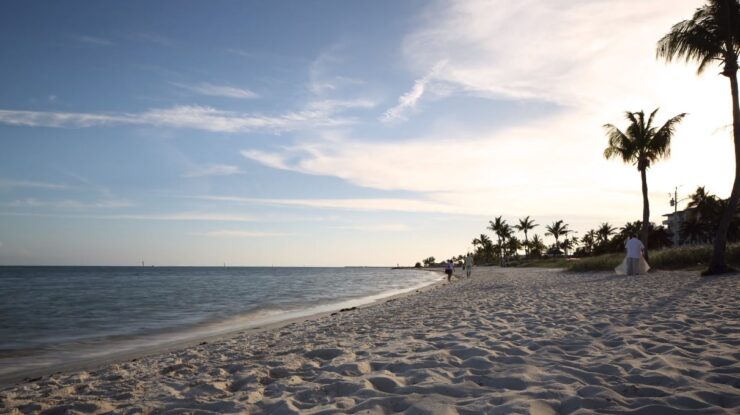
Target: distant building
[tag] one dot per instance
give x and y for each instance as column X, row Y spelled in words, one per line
column 673, row 222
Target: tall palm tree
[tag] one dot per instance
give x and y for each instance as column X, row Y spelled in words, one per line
column 502, row 230
column 641, row 144
column 556, row 230
column 588, row 240
column 712, row 35
column 525, row 225
column 604, row 232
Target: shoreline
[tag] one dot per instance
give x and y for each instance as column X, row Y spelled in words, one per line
column 537, row 341
column 247, row 326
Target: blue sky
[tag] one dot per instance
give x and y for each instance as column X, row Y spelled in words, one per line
column 330, row 133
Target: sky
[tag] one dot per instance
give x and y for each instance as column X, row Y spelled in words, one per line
column 333, row 133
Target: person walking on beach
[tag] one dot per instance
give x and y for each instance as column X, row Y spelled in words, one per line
column 468, row 265
column 634, row 254
column 448, row 269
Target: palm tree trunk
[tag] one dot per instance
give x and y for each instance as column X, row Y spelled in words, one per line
column 718, row 263
column 645, row 212
column 526, row 244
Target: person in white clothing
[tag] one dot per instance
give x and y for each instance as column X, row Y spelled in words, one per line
column 468, row 265
column 635, row 249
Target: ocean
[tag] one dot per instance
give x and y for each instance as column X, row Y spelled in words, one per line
column 61, row 315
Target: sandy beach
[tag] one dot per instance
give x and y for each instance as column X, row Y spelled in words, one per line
column 528, row 341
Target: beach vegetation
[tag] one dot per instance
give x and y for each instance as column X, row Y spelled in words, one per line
column 557, row 229
column 712, row 36
column 641, row 144
column 525, row 224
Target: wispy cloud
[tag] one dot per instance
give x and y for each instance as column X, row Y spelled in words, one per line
column 218, row 90
column 365, row 204
column 67, row 204
column 176, row 216
column 231, row 233
column 12, row 184
column 408, row 101
column 187, row 217
column 321, row 75
column 92, row 40
column 195, row 117
column 214, row 170
column 388, row 227
column 153, row 38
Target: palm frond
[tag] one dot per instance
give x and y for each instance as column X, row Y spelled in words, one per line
column 704, row 37
column 660, row 145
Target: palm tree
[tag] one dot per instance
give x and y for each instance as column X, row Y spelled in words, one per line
column 642, row 144
column 502, row 230
column 525, row 225
column 693, row 230
column 513, row 245
column 604, row 232
column 588, row 240
column 556, row 230
column 486, row 248
column 536, row 246
column 712, row 35
column 568, row 244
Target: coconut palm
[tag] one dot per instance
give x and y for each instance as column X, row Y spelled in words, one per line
column 642, row 144
column 502, row 230
column 604, row 232
column 536, row 246
column 569, row 244
column 711, row 36
column 588, row 240
column 513, row 245
column 556, row 230
column 525, row 225
column 485, row 251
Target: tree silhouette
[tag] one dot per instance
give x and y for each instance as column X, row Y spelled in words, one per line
column 526, row 224
column 711, row 36
column 641, row 144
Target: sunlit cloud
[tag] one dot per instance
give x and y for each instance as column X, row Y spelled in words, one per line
column 194, row 117
column 408, row 101
column 591, row 60
column 218, row 90
column 364, row 204
column 214, row 170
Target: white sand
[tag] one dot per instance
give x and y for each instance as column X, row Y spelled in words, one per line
column 508, row 341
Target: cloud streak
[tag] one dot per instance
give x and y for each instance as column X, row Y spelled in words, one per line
column 408, row 101
column 214, row 170
column 224, row 91
column 187, row 116
column 13, row 184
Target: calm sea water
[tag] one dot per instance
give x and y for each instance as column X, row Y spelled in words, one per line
column 59, row 314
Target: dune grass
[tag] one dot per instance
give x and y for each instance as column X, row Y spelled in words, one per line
column 690, row 257
column 542, row 263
